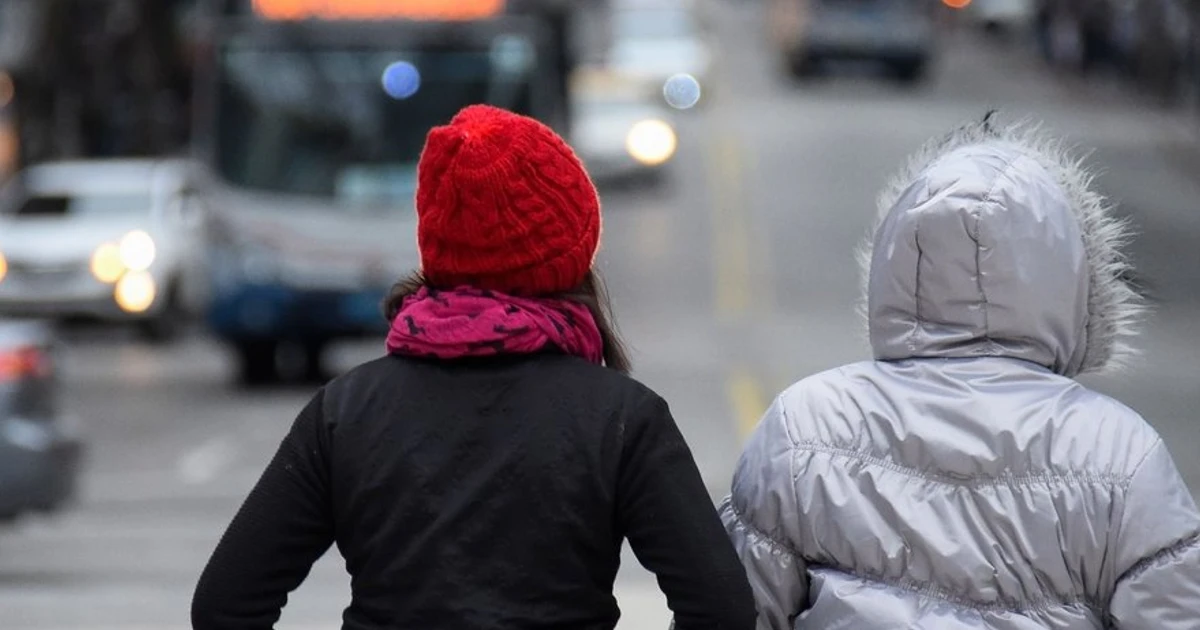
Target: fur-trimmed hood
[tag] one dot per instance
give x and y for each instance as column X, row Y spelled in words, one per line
column 992, row 242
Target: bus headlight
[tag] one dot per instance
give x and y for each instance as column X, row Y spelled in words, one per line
column 137, row 251
column 106, row 263
column 135, row 292
column 651, row 142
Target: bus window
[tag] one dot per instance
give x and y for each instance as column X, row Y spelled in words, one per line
column 330, row 122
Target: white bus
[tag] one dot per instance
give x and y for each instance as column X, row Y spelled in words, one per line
column 311, row 118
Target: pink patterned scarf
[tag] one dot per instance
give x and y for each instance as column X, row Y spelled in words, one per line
column 468, row 322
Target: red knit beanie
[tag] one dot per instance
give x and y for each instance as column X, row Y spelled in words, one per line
column 504, row 204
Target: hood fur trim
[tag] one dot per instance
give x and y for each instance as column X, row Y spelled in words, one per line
column 1114, row 308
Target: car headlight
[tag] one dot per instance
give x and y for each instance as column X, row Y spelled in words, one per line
column 135, row 292
column 651, row 142
column 137, row 251
column 106, row 263
column 3, row 267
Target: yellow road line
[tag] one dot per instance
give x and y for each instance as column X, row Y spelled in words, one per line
column 739, row 286
column 730, row 238
column 741, row 260
column 758, row 238
column 731, row 242
column 718, row 250
column 736, row 229
column 747, row 398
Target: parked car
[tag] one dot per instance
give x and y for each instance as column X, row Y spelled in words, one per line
column 115, row 240
column 39, row 452
column 656, row 41
column 622, row 131
column 896, row 33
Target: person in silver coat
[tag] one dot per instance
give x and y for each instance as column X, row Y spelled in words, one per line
column 962, row 479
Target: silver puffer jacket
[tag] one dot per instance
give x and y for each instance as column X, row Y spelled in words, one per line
column 962, row 479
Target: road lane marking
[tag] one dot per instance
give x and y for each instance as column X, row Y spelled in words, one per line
column 733, row 272
column 741, row 276
column 740, row 255
column 203, row 463
column 758, row 240
column 730, row 237
column 748, row 399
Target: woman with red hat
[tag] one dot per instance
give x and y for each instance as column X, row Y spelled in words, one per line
column 485, row 473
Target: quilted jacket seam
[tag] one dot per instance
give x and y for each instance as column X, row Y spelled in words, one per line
column 975, row 235
column 933, row 591
column 1161, row 557
column 1144, row 458
column 777, row 547
column 1118, row 522
column 1048, row 478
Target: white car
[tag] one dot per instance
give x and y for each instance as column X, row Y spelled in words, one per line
column 1002, row 15
column 653, row 43
column 115, row 240
column 621, row 130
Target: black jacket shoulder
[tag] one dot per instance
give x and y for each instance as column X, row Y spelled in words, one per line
column 563, row 376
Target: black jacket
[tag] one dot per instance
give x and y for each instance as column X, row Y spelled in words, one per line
column 481, row 493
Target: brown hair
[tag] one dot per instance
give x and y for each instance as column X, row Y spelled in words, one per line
column 591, row 293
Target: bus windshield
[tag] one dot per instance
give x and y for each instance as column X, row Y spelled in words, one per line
column 348, row 123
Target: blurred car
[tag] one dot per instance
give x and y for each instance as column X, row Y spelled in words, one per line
column 897, row 33
column 1149, row 41
column 1002, row 15
column 116, row 240
column 1084, row 34
column 621, row 131
column 39, row 454
column 652, row 42
column 1161, row 45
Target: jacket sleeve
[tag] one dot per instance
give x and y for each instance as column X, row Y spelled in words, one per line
column 763, row 500
column 283, row 527
column 1158, row 550
column 665, row 511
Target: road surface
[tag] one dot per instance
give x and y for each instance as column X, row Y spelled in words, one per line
column 732, row 282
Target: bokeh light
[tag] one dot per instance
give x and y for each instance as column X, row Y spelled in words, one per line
column 401, row 80
column 651, row 142
column 10, row 144
column 106, row 263
column 682, row 91
column 135, row 292
column 7, row 89
column 137, row 251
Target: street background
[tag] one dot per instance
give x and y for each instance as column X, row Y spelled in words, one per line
column 731, row 281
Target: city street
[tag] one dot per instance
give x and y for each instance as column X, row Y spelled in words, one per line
column 731, row 282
